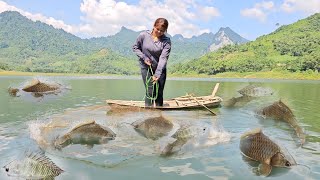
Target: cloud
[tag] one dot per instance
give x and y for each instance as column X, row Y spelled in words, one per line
column 106, row 17
column 259, row 11
column 37, row 17
column 308, row 7
column 6, row 7
column 269, row 5
column 207, row 13
column 254, row 13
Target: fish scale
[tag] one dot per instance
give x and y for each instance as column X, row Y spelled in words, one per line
column 35, row 165
column 258, row 151
column 188, row 132
column 153, row 128
column 257, row 146
column 41, row 87
column 37, row 86
column 280, row 111
column 88, row 133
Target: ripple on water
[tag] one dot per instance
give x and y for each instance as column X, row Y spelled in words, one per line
column 128, row 144
column 182, row 170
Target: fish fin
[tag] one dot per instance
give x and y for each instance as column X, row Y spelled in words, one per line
column 39, row 156
column 83, row 124
column 32, row 83
column 254, row 131
column 264, row 169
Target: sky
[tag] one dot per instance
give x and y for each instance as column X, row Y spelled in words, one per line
column 101, row 18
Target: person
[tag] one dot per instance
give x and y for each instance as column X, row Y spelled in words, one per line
column 153, row 49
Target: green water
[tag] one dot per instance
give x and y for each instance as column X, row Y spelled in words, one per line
column 135, row 157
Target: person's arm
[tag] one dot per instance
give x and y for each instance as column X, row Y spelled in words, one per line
column 137, row 48
column 163, row 59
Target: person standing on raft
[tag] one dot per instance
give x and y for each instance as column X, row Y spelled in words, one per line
column 153, row 49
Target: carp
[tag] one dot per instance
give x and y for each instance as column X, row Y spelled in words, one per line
column 280, row 111
column 88, row 133
column 257, row 146
column 255, row 91
column 238, row 101
column 153, row 128
column 181, row 137
column 13, row 91
column 40, row 87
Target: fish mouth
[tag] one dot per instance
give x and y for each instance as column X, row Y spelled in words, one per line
column 58, row 147
column 111, row 138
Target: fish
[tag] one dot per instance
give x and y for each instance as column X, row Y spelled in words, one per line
column 33, row 165
column 181, row 137
column 88, row 133
column 153, row 128
column 238, row 101
column 187, row 132
column 280, row 111
column 258, row 147
column 13, row 91
column 255, row 91
column 37, row 86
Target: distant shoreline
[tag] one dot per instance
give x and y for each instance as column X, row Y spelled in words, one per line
column 246, row 75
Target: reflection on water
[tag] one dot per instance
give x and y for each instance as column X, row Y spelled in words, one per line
column 27, row 123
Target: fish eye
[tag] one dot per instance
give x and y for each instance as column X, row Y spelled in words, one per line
column 288, row 164
column 7, row 169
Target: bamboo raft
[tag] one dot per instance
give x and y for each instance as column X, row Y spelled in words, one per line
column 183, row 102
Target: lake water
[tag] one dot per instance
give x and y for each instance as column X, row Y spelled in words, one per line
column 213, row 154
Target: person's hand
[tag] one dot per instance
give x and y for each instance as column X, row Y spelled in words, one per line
column 147, row 62
column 154, row 79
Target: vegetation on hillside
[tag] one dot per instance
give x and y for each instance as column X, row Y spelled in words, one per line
column 37, row 47
column 292, row 48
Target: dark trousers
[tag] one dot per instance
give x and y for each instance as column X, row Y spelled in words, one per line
column 146, row 75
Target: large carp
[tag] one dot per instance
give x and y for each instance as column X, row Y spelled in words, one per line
column 88, row 133
column 257, row 146
column 153, row 128
column 40, row 87
column 280, row 111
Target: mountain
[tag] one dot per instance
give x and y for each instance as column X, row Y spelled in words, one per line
column 293, row 47
column 182, row 48
column 121, row 42
column 225, row 36
column 26, row 45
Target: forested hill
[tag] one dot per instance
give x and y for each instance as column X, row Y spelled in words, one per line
column 294, row 47
column 26, row 45
column 38, row 47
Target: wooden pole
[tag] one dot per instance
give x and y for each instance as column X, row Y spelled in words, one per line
column 203, row 105
column 216, row 87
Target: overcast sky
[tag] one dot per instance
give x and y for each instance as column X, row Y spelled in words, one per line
column 96, row 18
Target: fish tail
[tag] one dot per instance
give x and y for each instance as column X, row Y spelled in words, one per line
column 298, row 129
column 301, row 135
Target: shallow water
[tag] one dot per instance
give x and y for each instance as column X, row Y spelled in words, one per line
column 213, row 154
